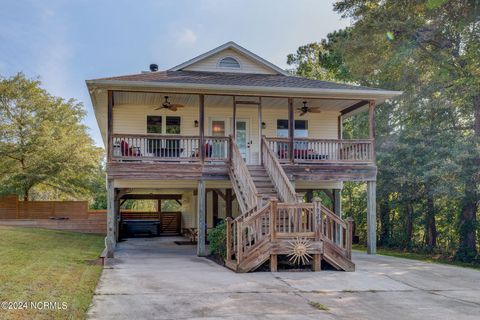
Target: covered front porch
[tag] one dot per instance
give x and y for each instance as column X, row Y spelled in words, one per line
column 199, row 130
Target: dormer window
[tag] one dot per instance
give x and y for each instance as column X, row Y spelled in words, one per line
column 229, row 62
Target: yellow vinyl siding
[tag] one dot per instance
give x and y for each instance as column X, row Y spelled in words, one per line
column 132, row 119
column 247, row 65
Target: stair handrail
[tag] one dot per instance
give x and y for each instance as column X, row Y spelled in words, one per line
column 245, row 233
column 330, row 224
column 282, row 184
column 242, row 175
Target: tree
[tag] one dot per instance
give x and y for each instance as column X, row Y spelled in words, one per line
column 43, row 145
column 428, row 45
column 427, row 139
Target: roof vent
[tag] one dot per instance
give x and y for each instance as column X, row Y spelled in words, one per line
column 153, row 67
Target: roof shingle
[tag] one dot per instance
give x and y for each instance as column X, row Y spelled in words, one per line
column 235, row 79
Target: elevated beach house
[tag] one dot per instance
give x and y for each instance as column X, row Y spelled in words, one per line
column 231, row 136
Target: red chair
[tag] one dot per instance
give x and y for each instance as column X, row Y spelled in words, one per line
column 128, row 151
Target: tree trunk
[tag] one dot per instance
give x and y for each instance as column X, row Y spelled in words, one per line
column 409, row 226
column 26, row 193
column 430, row 224
column 467, row 250
column 384, row 223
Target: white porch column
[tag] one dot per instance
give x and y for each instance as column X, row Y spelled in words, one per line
column 201, row 251
column 371, row 217
column 110, row 241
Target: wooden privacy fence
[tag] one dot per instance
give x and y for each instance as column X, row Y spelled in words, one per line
column 11, row 208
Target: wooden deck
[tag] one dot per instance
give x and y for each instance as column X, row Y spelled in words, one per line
column 314, row 159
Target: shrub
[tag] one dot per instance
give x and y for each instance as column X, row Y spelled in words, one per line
column 218, row 240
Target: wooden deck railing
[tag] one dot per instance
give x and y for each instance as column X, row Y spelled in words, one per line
column 242, row 181
column 127, row 147
column 287, row 221
column 323, row 150
column 284, row 188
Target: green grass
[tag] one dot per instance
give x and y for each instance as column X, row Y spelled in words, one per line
column 318, row 306
column 45, row 265
column 433, row 258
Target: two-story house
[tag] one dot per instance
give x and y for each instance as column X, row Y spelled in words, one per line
column 233, row 136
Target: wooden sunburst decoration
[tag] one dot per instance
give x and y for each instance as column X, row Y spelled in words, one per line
column 300, row 247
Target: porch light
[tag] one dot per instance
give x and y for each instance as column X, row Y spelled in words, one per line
column 195, row 123
column 264, row 125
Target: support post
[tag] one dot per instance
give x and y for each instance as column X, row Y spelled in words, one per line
column 371, row 217
column 273, row 263
column 317, row 211
column 273, row 232
column 215, row 207
column 228, row 202
column 260, row 131
column 116, row 209
column 201, row 110
column 340, row 127
column 291, row 129
column 337, row 208
column 349, row 235
column 229, row 238
column 201, row 251
column 273, row 218
column 371, row 126
column 234, row 119
column 109, row 125
column 110, row 240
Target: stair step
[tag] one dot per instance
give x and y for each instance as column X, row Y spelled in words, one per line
column 259, row 174
column 260, row 179
column 262, row 190
column 264, row 184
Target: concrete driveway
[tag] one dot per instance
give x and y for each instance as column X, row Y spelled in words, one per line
column 157, row 279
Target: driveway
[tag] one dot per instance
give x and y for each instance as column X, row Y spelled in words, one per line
column 156, row 279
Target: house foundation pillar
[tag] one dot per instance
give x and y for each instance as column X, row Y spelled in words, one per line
column 110, row 241
column 201, row 250
column 371, row 217
column 337, row 208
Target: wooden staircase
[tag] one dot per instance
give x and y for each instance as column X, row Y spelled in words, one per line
column 263, row 183
column 268, row 228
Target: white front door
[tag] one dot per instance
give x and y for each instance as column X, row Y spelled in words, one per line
column 242, row 137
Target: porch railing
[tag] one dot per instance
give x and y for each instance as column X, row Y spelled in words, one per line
column 287, row 221
column 127, row 147
column 323, row 150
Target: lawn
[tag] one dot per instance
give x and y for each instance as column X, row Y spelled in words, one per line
column 434, row 258
column 48, row 266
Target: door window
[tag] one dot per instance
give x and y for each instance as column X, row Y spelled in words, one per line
column 242, row 138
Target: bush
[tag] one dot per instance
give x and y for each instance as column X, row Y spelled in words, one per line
column 218, row 240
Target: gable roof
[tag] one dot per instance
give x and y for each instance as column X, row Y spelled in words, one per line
column 237, row 79
column 231, row 45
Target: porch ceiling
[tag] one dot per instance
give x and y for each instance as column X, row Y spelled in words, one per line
column 191, row 100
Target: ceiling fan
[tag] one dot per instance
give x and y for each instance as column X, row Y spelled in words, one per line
column 305, row 109
column 170, row 106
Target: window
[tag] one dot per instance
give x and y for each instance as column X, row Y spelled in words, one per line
column 301, row 128
column 218, row 128
column 229, row 62
column 154, row 124
column 173, row 125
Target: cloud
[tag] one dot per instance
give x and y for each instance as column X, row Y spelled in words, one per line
column 187, row 37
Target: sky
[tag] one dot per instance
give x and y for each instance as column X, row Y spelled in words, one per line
column 67, row 42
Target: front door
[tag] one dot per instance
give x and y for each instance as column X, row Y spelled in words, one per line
column 242, row 137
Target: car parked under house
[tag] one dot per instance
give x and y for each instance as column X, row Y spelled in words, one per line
column 233, row 136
